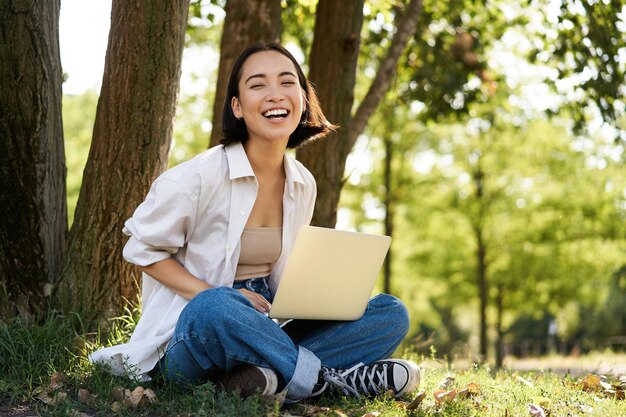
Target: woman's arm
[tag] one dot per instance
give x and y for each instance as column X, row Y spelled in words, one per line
column 175, row 277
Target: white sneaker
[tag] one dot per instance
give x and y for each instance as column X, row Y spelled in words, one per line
column 398, row 375
column 249, row 380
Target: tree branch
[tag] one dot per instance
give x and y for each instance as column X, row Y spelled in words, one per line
column 407, row 23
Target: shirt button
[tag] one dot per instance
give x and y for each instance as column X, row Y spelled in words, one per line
column 242, row 212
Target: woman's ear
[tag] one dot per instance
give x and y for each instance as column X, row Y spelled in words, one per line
column 236, row 107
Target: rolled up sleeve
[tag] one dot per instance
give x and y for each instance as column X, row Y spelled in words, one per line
column 161, row 225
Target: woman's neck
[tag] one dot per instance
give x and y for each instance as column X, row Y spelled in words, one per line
column 266, row 159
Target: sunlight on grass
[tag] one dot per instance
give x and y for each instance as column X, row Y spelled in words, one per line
column 48, row 374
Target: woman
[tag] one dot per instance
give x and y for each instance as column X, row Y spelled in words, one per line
column 212, row 238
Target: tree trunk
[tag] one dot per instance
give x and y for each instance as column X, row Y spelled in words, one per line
column 333, row 60
column 499, row 331
column 33, row 208
column 246, row 22
column 481, row 264
column 130, row 145
column 388, row 201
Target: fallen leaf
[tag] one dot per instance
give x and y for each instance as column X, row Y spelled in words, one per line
column 340, row 413
column 116, row 407
column 313, row 410
column 584, row 408
column 442, row 396
column 117, row 393
column 536, row 411
column 83, row 395
column 271, row 400
column 591, row 383
column 150, row 395
column 620, row 394
column 371, row 414
column 417, row 400
column 525, row 381
column 44, row 397
column 447, row 383
column 57, row 380
column 471, row 390
column 133, row 399
column 54, row 400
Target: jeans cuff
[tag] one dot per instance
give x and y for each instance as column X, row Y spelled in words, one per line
column 304, row 377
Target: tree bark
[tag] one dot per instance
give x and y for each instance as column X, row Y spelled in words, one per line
column 481, row 264
column 246, row 22
column 389, row 210
column 499, row 331
column 333, row 67
column 333, row 60
column 33, row 208
column 131, row 141
column 407, row 23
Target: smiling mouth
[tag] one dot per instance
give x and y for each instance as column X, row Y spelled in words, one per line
column 276, row 114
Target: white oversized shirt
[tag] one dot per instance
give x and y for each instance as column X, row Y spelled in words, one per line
column 196, row 213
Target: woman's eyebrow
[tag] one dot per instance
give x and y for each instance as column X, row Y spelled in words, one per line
column 265, row 76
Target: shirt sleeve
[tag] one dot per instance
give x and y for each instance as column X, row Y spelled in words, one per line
column 160, row 226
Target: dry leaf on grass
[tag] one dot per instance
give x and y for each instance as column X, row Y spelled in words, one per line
column 417, row 400
column 471, row 390
column 116, row 407
column 54, row 400
column 273, row 399
column 447, row 383
column 536, row 410
column 118, row 393
column 57, row 380
column 591, row 383
column 314, row 410
column 83, row 395
column 525, row 381
column 372, row 414
column 443, row 396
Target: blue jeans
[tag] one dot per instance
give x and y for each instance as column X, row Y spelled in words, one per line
column 219, row 330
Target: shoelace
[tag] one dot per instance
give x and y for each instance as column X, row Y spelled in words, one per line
column 367, row 379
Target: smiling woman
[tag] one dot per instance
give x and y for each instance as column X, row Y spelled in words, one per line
column 213, row 237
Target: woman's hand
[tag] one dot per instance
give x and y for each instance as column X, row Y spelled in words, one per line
column 258, row 301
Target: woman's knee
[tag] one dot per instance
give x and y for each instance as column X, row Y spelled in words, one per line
column 393, row 311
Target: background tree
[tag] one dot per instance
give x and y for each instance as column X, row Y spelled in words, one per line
column 333, row 61
column 33, row 209
column 583, row 40
column 130, row 146
column 245, row 23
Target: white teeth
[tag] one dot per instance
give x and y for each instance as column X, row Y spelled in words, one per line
column 275, row 112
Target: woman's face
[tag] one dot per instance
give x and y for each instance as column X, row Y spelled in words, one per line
column 270, row 100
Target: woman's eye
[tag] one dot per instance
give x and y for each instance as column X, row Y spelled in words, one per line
column 288, row 82
column 256, row 86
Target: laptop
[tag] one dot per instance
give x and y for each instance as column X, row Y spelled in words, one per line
column 330, row 275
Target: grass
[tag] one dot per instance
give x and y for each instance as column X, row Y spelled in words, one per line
column 44, row 371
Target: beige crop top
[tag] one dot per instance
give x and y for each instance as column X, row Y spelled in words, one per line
column 260, row 248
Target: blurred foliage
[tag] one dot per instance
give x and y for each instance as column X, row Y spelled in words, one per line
column 585, row 41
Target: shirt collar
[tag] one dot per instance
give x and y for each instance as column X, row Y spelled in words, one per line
column 238, row 163
column 240, row 167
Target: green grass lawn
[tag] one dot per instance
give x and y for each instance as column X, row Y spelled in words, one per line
column 44, row 372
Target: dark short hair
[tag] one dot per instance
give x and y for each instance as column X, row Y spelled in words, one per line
column 313, row 123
